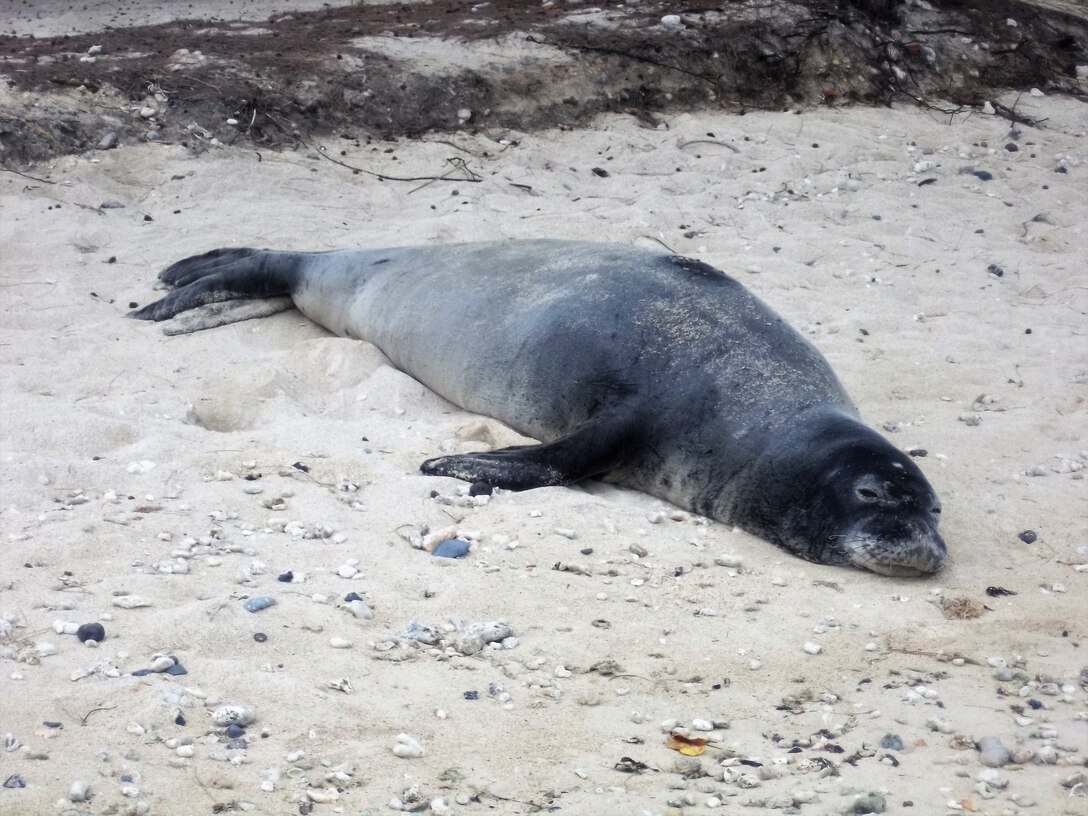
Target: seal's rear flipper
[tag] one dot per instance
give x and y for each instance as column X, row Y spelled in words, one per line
column 222, row 314
column 593, row 449
column 220, row 275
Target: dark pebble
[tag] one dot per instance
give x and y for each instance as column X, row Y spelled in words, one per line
column 586, row 551
column 481, row 489
column 1011, row 147
column 126, row 777
column 472, row 695
column 148, row 218
column 302, row 467
column 179, row 719
column 995, row 270
column 892, row 742
column 260, row 637
column 142, row 672
column 176, row 670
column 1062, row 170
column 926, row 181
column 451, row 548
column 14, row 781
column 1035, row 705
column 91, row 631
column 1028, row 537
column 984, row 175
column 352, row 596
column 286, row 577
column 234, row 731
column 52, row 724
column 918, row 453
column 237, row 745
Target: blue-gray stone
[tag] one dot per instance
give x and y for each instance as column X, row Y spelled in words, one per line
column 258, row 602
column 451, row 548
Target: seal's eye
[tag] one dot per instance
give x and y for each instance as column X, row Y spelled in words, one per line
column 868, row 494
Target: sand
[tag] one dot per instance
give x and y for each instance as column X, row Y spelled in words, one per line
column 953, row 310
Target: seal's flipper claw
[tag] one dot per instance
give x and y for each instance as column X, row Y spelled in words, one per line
column 591, row 450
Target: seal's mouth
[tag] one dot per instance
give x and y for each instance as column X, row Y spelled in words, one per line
column 913, row 557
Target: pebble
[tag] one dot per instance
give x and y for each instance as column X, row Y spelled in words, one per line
column 360, row 609
column 407, row 747
column 14, row 781
column 234, row 714
column 131, row 601
column 992, row 753
column 235, row 731
column 892, row 742
column 1028, row 536
column 451, row 548
column 475, row 636
column 813, row 648
column 870, row 803
column 340, row 643
column 347, row 571
column 79, row 791
column 258, row 602
column 108, row 142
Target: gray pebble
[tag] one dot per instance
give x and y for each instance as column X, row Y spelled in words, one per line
column 892, row 742
column 258, row 602
column 992, row 753
column 108, row 142
column 870, row 803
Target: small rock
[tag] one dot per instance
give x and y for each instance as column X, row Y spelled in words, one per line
column 451, row 548
column 131, row 601
column 258, row 602
column 14, row 781
column 992, row 753
column 108, row 142
column 407, row 748
column 892, row 742
column 79, row 791
column 870, row 803
column 813, row 648
column 234, row 714
column 1028, row 536
column 475, row 636
column 91, row 631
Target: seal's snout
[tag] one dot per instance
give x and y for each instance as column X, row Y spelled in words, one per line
column 919, row 554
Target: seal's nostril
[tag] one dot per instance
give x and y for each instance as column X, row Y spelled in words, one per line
column 868, row 494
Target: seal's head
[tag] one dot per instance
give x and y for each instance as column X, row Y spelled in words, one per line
column 839, row 493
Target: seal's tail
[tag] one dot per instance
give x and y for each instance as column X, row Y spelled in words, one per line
column 220, row 275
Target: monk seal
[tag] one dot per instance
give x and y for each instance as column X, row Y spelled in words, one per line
column 632, row 365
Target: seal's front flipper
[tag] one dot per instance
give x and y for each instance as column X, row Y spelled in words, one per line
column 221, row 275
column 593, row 449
